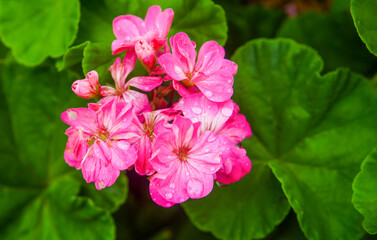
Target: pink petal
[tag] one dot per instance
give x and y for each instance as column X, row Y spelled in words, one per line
column 128, row 27
column 210, row 58
column 184, row 50
column 170, row 63
column 212, row 115
column 229, row 66
column 145, row 83
column 102, row 151
column 76, row 147
column 106, row 177
column 157, row 22
column 82, row 118
column 156, row 196
column 123, row 155
column 146, row 54
column 120, row 70
column 235, row 163
column 217, row 87
column 91, row 166
column 236, row 129
column 139, row 100
column 118, row 46
column 144, row 151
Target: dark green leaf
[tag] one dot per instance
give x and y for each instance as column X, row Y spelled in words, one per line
column 333, row 35
column 72, row 59
column 35, row 30
column 364, row 192
column 316, row 129
column 248, row 209
column 38, row 194
column 364, row 16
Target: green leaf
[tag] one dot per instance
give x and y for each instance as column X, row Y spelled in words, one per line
column 365, row 19
column 72, row 59
column 247, row 209
column 35, row 30
column 109, row 198
column 364, row 192
column 332, row 35
column 316, row 130
column 38, row 193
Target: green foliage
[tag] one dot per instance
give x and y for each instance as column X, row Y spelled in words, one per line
column 364, row 16
column 364, row 192
column 35, row 30
column 303, row 126
column 39, row 194
column 334, row 37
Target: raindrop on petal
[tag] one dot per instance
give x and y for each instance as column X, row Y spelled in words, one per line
column 195, row 188
column 196, row 110
column 227, row 112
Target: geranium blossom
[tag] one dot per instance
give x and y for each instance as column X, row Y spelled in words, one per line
column 145, row 36
column 88, row 87
column 185, row 162
column 231, row 127
column 108, row 152
column 211, row 73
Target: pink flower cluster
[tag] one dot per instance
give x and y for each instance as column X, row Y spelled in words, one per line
column 183, row 146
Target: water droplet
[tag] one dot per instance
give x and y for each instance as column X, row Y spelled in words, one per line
column 187, row 173
column 154, row 199
column 229, row 81
column 212, row 138
column 229, row 90
column 168, row 195
column 195, row 188
column 72, row 115
column 123, row 145
column 168, row 205
column 196, row 110
column 172, row 185
column 227, row 112
column 212, row 169
column 206, row 150
column 208, row 93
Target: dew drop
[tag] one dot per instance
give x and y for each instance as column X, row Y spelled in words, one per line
column 196, row 110
column 168, row 195
column 72, row 115
column 172, row 185
column 154, row 199
column 212, row 169
column 208, row 93
column 187, row 173
column 229, row 81
column 206, row 150
column 227, row 112
column 195, row 188
column 212, row 138
column 168, row 205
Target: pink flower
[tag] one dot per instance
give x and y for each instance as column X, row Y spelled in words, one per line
column 88, row 87
column 185, row 163
column 148, row 35
column 76, row 147
column 122, row 91
column 231, row 127
column 108, row 152
column 211, row 73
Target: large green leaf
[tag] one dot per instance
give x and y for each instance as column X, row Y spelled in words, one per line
column 38, row 191
column 316, row 129
column 364, row 192
column 35, row 30
column 364, row 16
column 248, row 209
column 334, row 37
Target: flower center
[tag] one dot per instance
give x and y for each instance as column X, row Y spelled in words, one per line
column 182, row 153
